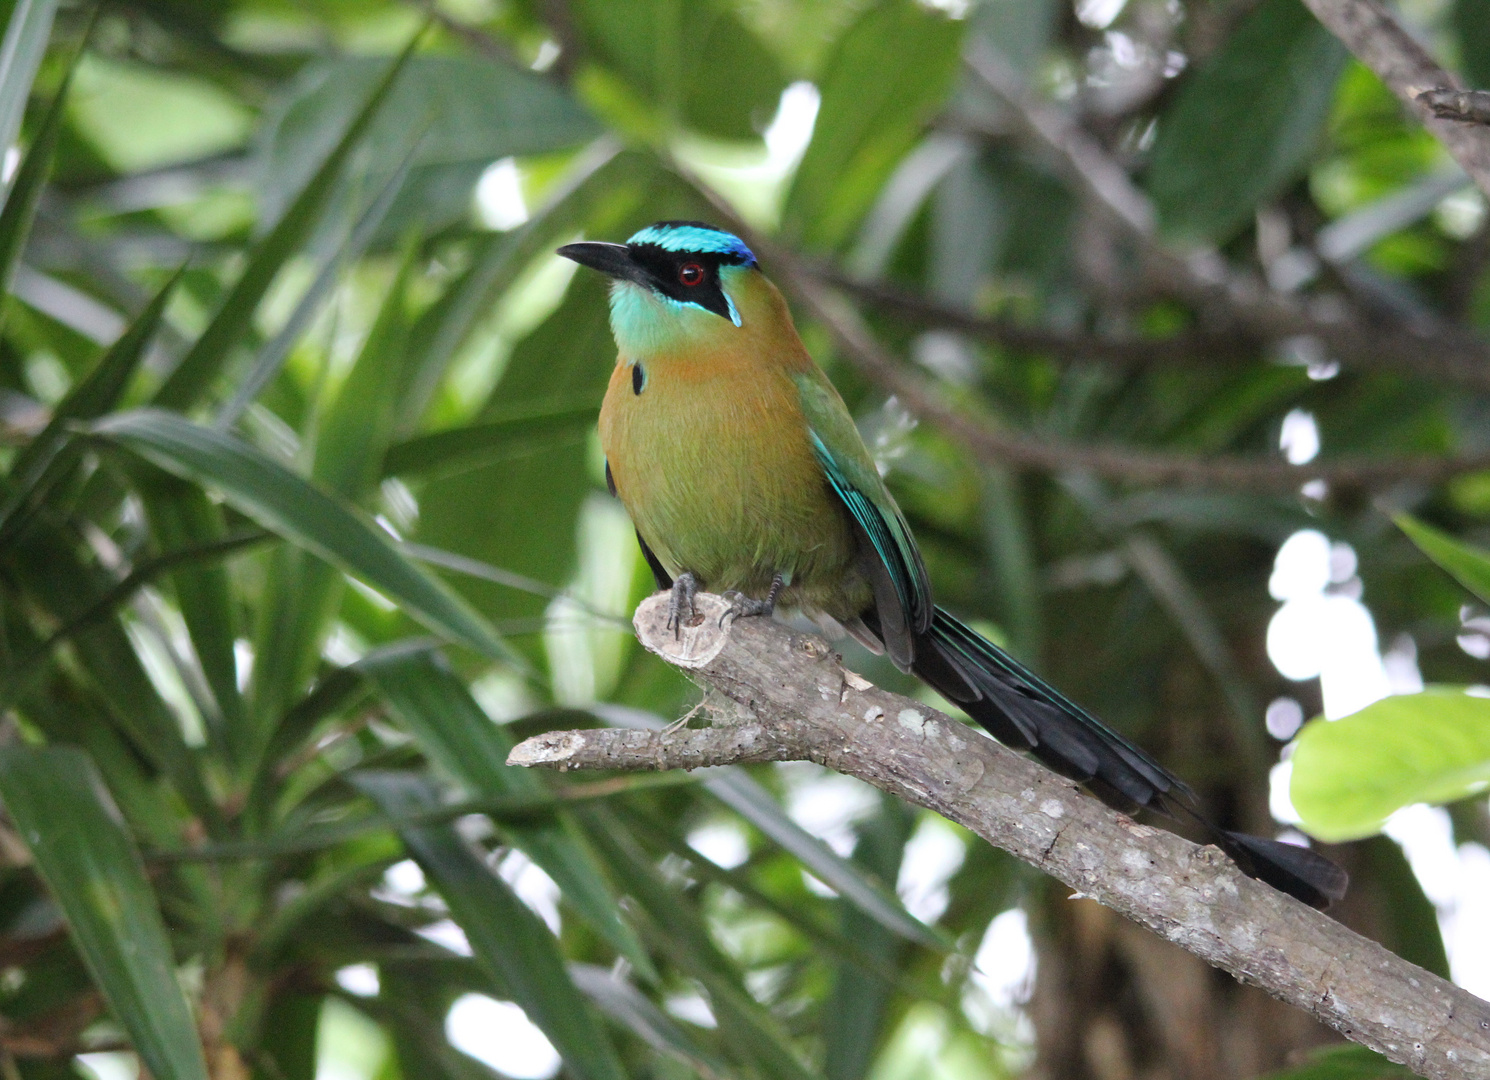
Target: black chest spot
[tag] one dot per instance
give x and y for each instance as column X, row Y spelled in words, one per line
column 638, row 379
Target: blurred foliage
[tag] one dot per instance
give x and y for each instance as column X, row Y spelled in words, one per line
column 303, row 524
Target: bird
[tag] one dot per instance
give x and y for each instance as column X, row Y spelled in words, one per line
column 744, row 475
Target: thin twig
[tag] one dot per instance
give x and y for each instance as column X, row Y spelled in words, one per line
column 795, row 701
column 1466, row 106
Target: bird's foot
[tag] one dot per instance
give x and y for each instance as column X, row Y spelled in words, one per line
column 743, row 607
column 685, row 587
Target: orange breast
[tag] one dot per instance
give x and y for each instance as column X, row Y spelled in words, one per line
column 714, row 462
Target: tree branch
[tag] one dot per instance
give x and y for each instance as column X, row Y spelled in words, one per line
column 1119, row 463
column 1380, row 42
column 795, row 701
column 1203, row 280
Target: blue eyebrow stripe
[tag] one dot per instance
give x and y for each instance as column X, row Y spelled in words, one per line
column 695, row 238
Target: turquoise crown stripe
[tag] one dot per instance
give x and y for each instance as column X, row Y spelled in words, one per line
column 701, row 238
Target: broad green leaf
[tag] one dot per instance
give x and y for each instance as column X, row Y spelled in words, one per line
column 25, row 43
column 449, row 725
column 508, row 940
column 1472, row 24
column 473, row 112
column 1243, row 126
column 456, row 449
column 289, row 505
column 1351, row 774
column 889, row 72
column 91, row 868
column 293, row 228
column 697, row 63
column 1469, row 566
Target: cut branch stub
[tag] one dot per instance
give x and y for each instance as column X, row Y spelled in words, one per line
column 796, row 701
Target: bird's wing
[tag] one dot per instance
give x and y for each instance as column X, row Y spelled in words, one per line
column 902, row 593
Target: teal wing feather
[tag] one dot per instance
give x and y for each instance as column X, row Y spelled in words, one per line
column 897, row 574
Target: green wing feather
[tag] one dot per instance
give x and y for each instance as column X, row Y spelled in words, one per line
column 901, row 575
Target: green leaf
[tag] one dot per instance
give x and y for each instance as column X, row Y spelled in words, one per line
column 496, row 262
column 37, row 465
column 1469, row 566
column 566, row 360
column 1472, row 25
column 619, row 999
column 697, row 62
column 25, row 43
column 31, row 177
column 292, row 507
column 889, row 72
column 674, row 926
column 457, row 449
column 181, row 516
column 450, row 727
column 272, row 355
column 93, row 871
column 1351, row 774
column 302, row 594
column 473, row 112
column 234, row 316
column 46, row 566
column 508, row 940
column 1244, row 125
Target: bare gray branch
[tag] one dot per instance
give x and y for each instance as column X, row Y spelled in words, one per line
column 795, row 701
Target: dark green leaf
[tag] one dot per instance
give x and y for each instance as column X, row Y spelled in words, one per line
column 289, row 505
column 697, row 63
column 1243, row 126
column 26, row 37
column 890, row 71
column 1469, row 566
column 473, row 112
column 456, row 449
column 292, row 230
column 1472, row 24
column 93, row 871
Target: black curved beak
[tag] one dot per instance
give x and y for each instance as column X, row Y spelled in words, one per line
column 611, row 259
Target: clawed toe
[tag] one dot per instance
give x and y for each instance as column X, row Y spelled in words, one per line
column 744, row 607
column 681, row 601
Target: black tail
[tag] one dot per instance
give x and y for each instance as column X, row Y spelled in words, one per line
column 1022, row 711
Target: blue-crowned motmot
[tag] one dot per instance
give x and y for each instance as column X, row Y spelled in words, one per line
column 744, row 474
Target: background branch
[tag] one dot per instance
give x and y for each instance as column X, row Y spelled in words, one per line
column 1380, row 42
column 795, row 701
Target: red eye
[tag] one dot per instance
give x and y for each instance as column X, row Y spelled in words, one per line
column 691, row 274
